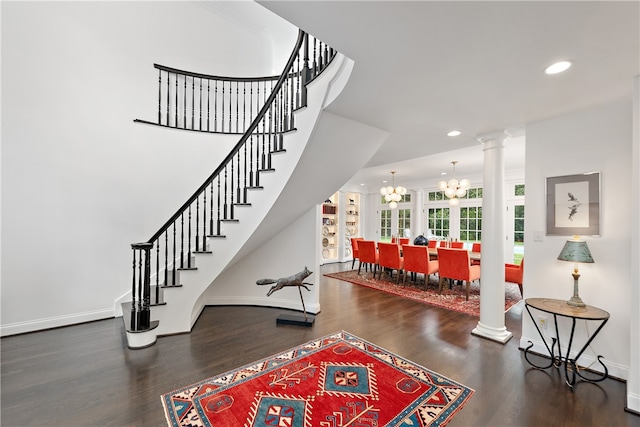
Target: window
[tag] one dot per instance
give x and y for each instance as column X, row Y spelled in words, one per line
column 519, row 190
column 403, row 199
column 438, row 221
column 404, row 222
column 385, row 225
column 471, row 223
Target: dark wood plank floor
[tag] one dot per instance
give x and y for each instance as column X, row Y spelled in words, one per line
column 85, row 376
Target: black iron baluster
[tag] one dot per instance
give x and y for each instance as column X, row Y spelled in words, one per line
column 244, row 106
column 193, row 102
column 204, row 220
column 159, row 97
column 211, row 211
column 200, row 108
column 215, row 109
column 208, row 103
column 184, row 104
column 238, row 199
column 244, row 190
column 230, row 113
column 237, row 106
column 198, row 221
column 218, row 223
column 231, row 193
column 222, row 103
column 306, row 72
column 134, row 294
column 182, row 240
column 166, row 258
column 251, row 166
column 298, row 77
column 157, row 271
column 173, row 277
column 176, row 123
column 168, row 98
column 315, row 57
column 225, row 213
column 189, row 239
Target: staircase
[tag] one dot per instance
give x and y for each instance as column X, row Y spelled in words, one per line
column 286, row 143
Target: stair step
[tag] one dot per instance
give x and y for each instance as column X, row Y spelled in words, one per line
column 217, row 235
column 202, row 252
column 126, row 318
column 229, row 220
column 267, row 170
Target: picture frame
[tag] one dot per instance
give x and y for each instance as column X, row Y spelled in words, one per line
column 573, row 205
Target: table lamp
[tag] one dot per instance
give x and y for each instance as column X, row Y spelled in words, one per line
column 576, row 251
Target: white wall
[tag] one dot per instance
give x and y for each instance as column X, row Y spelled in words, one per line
column 80, row 180
column 598, row 139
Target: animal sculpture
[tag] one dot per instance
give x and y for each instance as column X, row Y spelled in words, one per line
column 295, row 280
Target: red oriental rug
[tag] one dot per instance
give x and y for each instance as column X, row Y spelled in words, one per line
column 451, row 299
column 338, row 380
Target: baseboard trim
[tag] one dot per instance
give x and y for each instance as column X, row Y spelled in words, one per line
column 54, row 322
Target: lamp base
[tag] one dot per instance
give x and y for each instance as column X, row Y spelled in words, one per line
column 576, row 302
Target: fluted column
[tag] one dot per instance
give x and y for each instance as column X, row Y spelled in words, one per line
column 491, row 324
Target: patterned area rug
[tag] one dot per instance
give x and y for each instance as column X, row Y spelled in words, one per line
column 451, row 299
column 338, row 380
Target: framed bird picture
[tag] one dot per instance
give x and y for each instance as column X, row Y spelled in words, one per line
column 573, row 205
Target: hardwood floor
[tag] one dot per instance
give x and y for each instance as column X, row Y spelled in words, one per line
column 84, row 375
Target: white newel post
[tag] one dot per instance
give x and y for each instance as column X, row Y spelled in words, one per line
column 492, row 298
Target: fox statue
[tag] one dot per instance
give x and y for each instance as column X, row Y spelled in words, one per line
column 295, row 280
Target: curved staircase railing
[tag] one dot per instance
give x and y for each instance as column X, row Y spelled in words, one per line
column 173, row 246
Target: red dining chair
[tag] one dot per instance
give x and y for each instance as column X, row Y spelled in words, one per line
column 456, row 265
column 514, row 273
column 416, row 260
column 390, row 259
column 457, row 245
column 404, row 241
column 476, row 247
column 354, row 249
column 368, row 255
column 433, row 243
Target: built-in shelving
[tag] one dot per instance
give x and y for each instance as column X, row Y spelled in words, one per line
column 340, row 221
column 329, row 239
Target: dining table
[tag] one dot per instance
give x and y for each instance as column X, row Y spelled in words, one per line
column 473, row 256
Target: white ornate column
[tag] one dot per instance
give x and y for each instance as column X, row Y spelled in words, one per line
column 491, row 324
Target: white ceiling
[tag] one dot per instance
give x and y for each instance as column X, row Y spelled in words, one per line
column 423, row 68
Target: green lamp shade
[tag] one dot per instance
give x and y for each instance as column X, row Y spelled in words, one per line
column 575, row 251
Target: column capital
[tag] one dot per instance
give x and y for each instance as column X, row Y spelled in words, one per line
column 496, row 136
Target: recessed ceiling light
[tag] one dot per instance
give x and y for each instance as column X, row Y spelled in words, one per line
column 558, row 67
column 443, row 173
column 454, row 133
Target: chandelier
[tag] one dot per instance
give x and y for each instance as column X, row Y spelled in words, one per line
column 454, row 189
column 393, row 194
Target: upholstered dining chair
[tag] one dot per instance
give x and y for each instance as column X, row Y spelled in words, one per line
column 433, row 243
column 368, row 255
column 404, row 241
column 354, row 250
column 514, row 273
column 390, row 259
column 455, row 264
column 416, row 260
column 457, row 245
column 476, row 247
